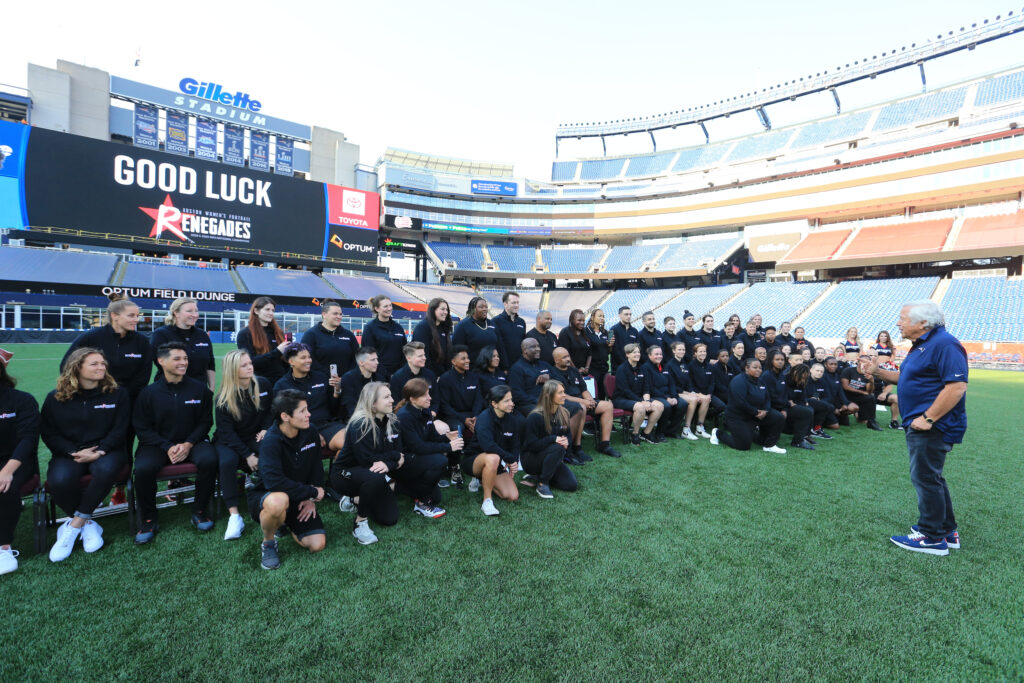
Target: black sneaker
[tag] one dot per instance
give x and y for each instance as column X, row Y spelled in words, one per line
column 457, row 480
column 582, row 456
column 147, row 531
column 635, row 440
column 201, row 521
column 648, row 438
column 872, row 425
column 605, row 447
column 820, row 434
column 282, row 532
column 802, row 443
column 893, row 424
column 268, row 555
column 544, row 491
column 810, row 439
column 659, row 438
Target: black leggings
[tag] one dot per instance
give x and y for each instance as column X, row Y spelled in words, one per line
column 228, row 464
column 671, row 420
column 599, row 376
column 418, row 477
column 866, row 404
column 10, row 503
column 740, row 432
column 824, row 413
column 798, row 422
column 547, row 465
column 149, row 460
column 64, row 476
column 376, row 499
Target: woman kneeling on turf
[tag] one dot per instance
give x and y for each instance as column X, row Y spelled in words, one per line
column 84, row 424
column 546, row 442
column 492, row 455
column 750, row 407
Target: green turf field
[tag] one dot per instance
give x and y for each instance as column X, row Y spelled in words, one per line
column 678, row 562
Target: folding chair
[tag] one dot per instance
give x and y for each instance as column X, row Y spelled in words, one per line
column 624, row 417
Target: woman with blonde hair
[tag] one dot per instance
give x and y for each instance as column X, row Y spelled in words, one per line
column 851, row 345
column 242, row 411
column 547, row 442
column 84, row 424
column 264, row 340
column 180, row 326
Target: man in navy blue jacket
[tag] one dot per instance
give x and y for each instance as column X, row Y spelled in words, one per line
column 511, row 329
column 527, row 376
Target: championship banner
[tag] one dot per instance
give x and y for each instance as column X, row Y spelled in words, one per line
column 259, row 151
column 177, row 133
column 234, row 146
column 206, row 140
column 283, row 157
column 147, row 121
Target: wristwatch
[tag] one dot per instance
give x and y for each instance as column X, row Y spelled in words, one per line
column 928, row 419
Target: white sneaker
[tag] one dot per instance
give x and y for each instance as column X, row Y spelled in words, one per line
column 92, row 536
column 363, row 533
column 714, row 436
column 489, row 509
column 687, row 434
column 235, row 526
column 346, row 504
column 773, row 449
column 702, row 432
column 8, row 560
column 474, row 485
column 66, row 537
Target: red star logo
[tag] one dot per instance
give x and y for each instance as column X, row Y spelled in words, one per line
column 166, row 217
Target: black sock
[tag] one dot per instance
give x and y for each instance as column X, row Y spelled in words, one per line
column 603, row 445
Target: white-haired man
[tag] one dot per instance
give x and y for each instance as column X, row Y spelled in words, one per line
column 931, row 386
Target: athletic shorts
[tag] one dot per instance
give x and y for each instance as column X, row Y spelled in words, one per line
column 313, row 525
column 467, row 465
column 573, row 407
column 329, row 430
column 624, row 404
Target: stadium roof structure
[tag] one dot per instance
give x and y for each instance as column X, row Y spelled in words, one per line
column 490, row 169
column 967, row 38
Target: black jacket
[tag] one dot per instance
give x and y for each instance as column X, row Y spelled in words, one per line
column 491, row 379
column 327, row 347
column 690, row 339
column 681, row 376
column 291, row 466
column 778, row 388
column 702, row 376
column 712, row 339
column 599, row 351
column 510, row 337
column 129, row 358
column 522, row 378
column 438, row 364
column 578, row 346
column 468, row 333
column 571, row 379
column 388, row 339
column 723, row 375
column 649, row 339
column 662, row 385
column 320, row 398
column 501, row 435
column 536, row 438
column 459, row 396
column 197, row 345
column 631, row 383
column 352, row 383
column 547, row 340
column 837, row 395
column 270, row 364
column 419, row 437
column 749, row 343
column 623, row 336
column 19, row 428
column 360, row 450
column 89, row 418
column 168, row 414
column 240, row 435
column 404, row 374
column 747, row 396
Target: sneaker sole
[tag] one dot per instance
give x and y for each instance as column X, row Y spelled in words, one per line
column 424, row 514
column 545, row 496
column 927, row 551
column 270, row 568
column 362, row 542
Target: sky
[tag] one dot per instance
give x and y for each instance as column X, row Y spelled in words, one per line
column 491, row 81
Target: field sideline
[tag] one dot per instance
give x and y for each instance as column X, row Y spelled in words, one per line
column 681, row 561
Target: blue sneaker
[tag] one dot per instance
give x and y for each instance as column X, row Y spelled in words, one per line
column 147, row 531
column 201, row 521
column 952, row 540
column 919, row 543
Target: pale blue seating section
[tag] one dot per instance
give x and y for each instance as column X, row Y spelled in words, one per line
column 602, row 169
column 512, row 259
column 282, row 282
column 690, row 253
column 466, row 256
column 829, row 130
column 529, row 301
column 985, row 309
column 649, row 165
column 363, row 288
column 571, row 260
column 56, row 266
column 776, row 302
column 699, row 301
column 868, row 305
column 563, row 170
column 177, row 276
column 1000, row 89
column 639, row 300
column 762, row 145
column 457, row 296
column 933, row 106
column 630, row 259
column 700, row 157
column 561, row 302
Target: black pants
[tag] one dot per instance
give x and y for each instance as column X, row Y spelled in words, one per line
column 547, row 466
column 740, row 432
column 928, row 454
column 418, row 477
column 10, row 503
column 149, row 460
column 376, row 499
column 798, row 422
column 866, row 404
column 599, row 376
column 672, row 419
column 824, row 413
column 64, row 476
column 228, row 464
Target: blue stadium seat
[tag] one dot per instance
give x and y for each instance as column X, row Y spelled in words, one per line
column 649, row 165
column 1001, row 89
column 640, row 300
column 56, row 266
column 177, row 276
column 363, row 288
column 776, row 302
column 699, row 301
column 282, row 282
column 868, row 305
column 466, row 256
column 691, row 252
column 762, row 145
column 919, row 109
column 985, row 309
column 602, row 169
column 700, row 157
column 563, row 170
column 566, row 260
column 511, row 259
column 630, row 259
column 829, row 130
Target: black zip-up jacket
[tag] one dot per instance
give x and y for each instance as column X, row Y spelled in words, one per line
column 798, row 395
column 522, row 378
column 168, row 414
column 819, row 389
column 129, row 358
column 837, row 395
column 786, row 340
column 460, row 396
column 702, row 376
column 537, row 438
column 338, row 347
column 360, row 451
column 351, row 385
column 749, row 343
column 712, row 339
column 468, row 333
column 571, row 379
column 799, row 345
column 691, row 339
column 650, row 338
column 291, row 466
column 399, row 379
column 419, row 437
column 599, row 351
column 667, row 340
column 623, row 336
column 681, row 376
column 89, row 418
column 747, row 396
column 388, row 339
column 240, row 435
column 421, row 333
column 500, row 435
column 631, row 383
column 197, row 345
column 19, row 428
column 488, row 380
column 723, row 375
column 578, row 346
column 662, row 384
column 777, row 388
column 548, row 341
column 320, row 398
column 510, row 337
column 270, row 364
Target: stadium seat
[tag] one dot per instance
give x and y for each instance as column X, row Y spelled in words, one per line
column 56, row 266
column 284, row 282
column 869, row 305
column 624, row 417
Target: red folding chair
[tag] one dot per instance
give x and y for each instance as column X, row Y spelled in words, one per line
column 124, row 478
column 624, row 417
